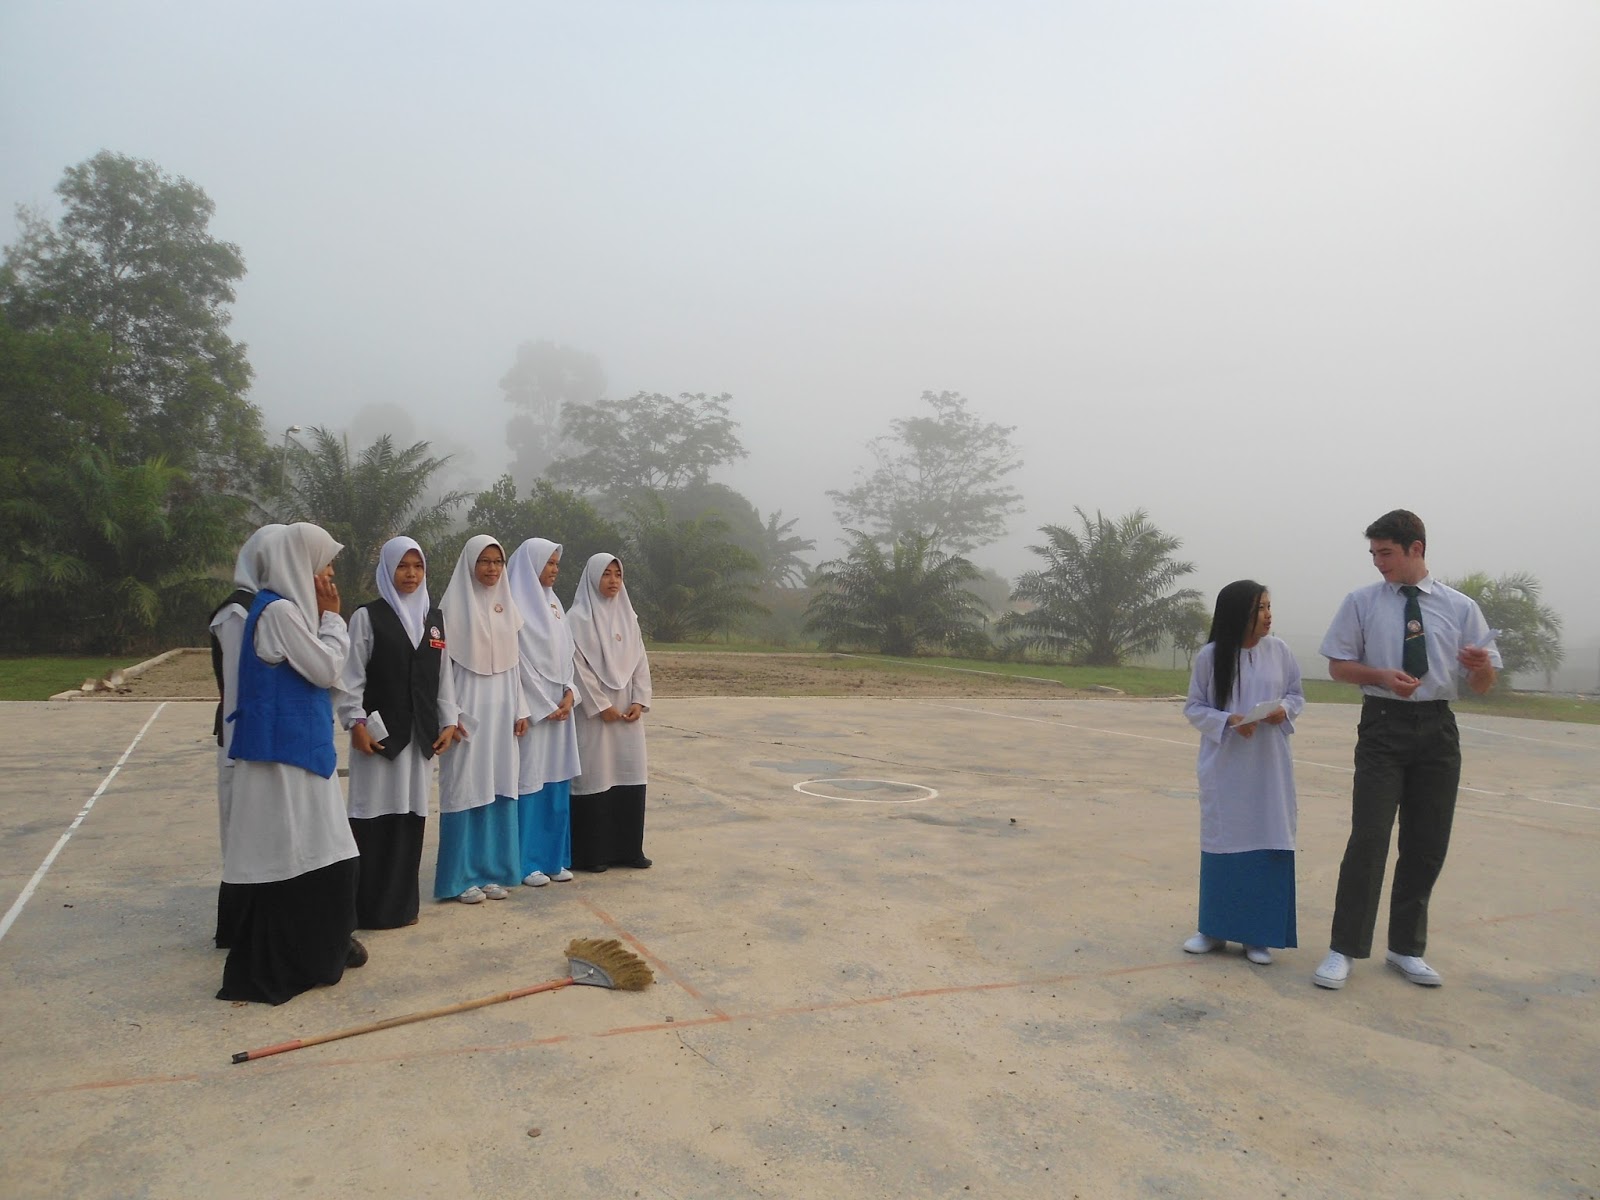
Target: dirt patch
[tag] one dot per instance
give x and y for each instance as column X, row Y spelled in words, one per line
column 677, row 674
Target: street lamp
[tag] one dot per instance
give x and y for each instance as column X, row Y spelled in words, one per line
column 283, row 467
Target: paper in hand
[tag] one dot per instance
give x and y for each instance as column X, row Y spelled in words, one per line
column 468, row 722
column 376, row 729
column 1265, row 709
column 1485, row 641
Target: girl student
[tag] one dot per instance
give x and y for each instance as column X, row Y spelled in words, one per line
column 397, row 699
column 227, row 636
column 550, row 747
column 1246, row 775
column 480, row 854
column 288, row 845
column 613, row 683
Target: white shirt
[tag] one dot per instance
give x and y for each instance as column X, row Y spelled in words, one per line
column 285, row 821
column 1370, row 629
column 1247, row 796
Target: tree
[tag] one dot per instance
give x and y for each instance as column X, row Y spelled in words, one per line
column 646, row 443
column 994, row 590
column 1530, row 631
column 565, row 518
column 544, row 380
column 686, row 579
column 366, row 501
column 119, row 556
column 940, row 475
column 781, row 547
column 132, row 259
column 913, row 598
column 1188, row 632
column 1105, row 594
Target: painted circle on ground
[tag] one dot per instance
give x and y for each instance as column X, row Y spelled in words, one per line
column 923, row 791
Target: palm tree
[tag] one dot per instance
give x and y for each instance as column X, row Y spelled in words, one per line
column 1106, row 592
column 1530, row 631
column 909, row 599
column 365, row 502
column 110, row 557
column 781, row 564
column 685, row 578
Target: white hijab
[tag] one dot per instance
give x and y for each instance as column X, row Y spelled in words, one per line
column 480, row 624
column 606, row 631
column 550, row 651
column 413, row 609
column 246, row 574
column 287, row 562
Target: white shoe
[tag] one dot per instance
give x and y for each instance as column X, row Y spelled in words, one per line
column 562, row 876
column 1201, row 944
column 1335, row 969
column 473, row 895
column 1414, row 969
column 494, row 891
column 536, row 879
column 1259, row 955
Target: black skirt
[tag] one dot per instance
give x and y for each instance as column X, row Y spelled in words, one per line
column 230, row 912
column 608, row 827
column 293, row 934
column 391, row 856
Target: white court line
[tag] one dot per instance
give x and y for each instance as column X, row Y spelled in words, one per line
column 1522, row 738
column 38, row 876
column 983, row 712
column 1303, row 762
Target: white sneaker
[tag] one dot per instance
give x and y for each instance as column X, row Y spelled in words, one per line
column 1335, row 969
column 1414, row 969
column 1201, row 944
column 1259, row 955
column 536, row 879
column 473, row 895
column 494, row 891
column 562, row 876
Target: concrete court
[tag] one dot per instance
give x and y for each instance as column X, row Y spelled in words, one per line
column 980, row 993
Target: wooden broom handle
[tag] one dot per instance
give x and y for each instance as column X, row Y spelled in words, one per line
column 407, row 1019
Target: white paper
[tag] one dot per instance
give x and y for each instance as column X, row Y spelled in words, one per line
column 1265, row 709
column 376, row 729
column 468, row 722
column 1483, row 642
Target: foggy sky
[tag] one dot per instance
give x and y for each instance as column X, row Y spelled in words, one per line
column 1264, row 269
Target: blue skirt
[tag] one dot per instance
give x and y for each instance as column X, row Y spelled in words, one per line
column 1248, row 897
column 544, row 821
column 478, row 846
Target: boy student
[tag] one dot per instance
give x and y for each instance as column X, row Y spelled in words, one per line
column 1400, row 640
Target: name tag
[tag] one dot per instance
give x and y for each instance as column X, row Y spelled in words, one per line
column 436, row 643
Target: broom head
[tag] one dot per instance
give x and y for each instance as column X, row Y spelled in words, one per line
column 607, row 963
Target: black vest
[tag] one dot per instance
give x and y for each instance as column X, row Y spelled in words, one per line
column 402, row 681
column 242, row 597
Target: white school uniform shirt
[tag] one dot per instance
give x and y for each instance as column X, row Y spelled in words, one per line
column 285, row 821
column 550, row 748
column 380, row 786
column 1370, row 628
column 1247, row 795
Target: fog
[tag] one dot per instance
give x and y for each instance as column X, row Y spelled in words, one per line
column 1263, row 269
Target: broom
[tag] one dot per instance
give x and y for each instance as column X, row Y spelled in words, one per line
column 590, row 961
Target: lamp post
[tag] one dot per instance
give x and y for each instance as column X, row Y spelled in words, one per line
column 283, row 467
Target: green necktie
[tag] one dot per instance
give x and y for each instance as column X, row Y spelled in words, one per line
column 1414, row 655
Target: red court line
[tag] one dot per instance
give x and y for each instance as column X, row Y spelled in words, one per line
column 288, row 1063
column 1549, row 912
column 657, row 962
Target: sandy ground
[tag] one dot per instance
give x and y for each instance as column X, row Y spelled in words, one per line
column 187, row 676
column 951, row 971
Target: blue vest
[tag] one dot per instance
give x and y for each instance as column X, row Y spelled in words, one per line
column 282, row 716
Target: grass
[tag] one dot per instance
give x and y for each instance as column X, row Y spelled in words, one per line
column 42, row 676
column 1161, row 681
